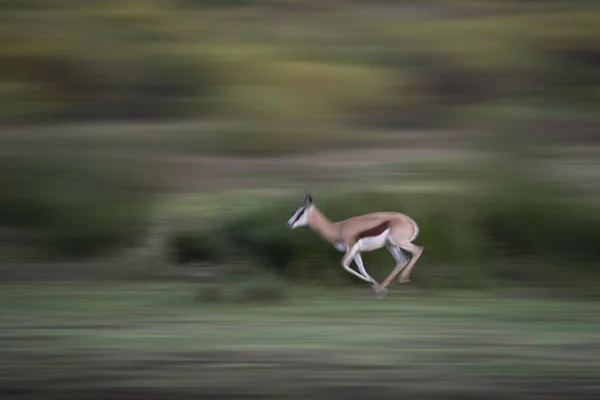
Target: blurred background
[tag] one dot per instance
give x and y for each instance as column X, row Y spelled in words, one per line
column 152, row 151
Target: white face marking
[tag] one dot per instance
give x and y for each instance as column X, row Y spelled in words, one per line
column 373, row 242
column 300, row 218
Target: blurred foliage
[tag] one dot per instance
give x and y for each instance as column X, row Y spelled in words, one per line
column 73, row 206
column 340, row 63
column 286, row 76
column 156, row 340
column 72, row 60
column 253, row 286
column 517, row 228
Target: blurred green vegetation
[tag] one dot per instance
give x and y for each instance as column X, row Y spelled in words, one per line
column 150, row 340
column 247, row 285
column 536, row 235
column 279, row 77
column 70, row 206
column 341, row 64
column 166, row 142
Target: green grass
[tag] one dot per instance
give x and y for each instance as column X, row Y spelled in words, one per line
column 157, row 338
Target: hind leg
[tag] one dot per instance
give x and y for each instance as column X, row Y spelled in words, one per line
column 416, row 252
column 399, row 256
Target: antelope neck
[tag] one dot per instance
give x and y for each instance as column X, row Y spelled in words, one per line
column 320, row 223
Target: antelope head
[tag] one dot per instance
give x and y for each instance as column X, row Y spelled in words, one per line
column 300, row 217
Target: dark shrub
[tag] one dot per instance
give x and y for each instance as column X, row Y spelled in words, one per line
column 74, row 206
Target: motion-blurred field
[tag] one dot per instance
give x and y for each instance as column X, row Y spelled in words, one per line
column 157, row 340
column 152, row 151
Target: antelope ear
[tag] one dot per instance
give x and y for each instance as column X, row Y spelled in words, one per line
column 308, row 199
column 305, row 197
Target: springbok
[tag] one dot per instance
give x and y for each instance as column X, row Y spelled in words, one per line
column 366, row 232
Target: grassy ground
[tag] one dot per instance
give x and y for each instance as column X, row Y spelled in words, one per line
column 157, row 340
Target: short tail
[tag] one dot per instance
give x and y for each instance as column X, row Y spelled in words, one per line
column 416, row 232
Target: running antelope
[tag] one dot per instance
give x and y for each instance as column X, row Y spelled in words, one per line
column 366, row 232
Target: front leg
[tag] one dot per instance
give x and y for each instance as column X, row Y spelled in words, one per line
column 363, row 271
column 347, row 259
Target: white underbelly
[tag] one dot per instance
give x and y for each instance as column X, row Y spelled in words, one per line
column 340, row 247
column 373, row 242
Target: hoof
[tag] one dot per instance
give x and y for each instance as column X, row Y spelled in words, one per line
column 382, row 293
column 403, row 280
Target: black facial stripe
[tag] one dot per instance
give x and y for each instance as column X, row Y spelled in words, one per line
column 299, row 215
